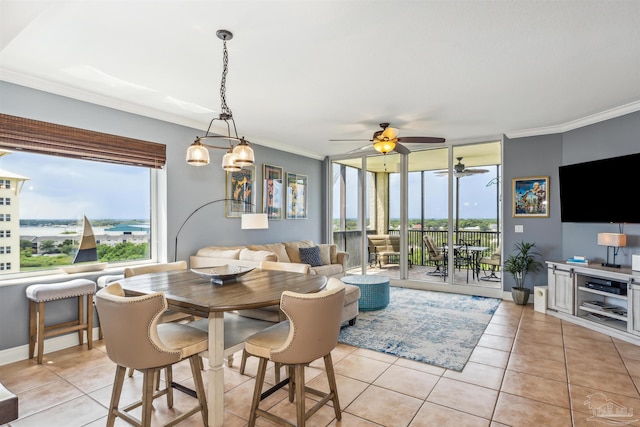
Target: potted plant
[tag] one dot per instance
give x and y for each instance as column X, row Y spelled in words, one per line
column 522, row 261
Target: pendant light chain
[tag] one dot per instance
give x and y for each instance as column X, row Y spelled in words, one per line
column 225, row 112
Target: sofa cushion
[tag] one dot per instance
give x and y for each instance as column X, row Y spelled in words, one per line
column 311, row 256
column 219, row 252
column 251, row 255
column 293, row 249
column 276, row 248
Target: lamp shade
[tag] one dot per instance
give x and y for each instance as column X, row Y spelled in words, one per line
column 243, row 154
column 256, row 221
column 384, row 146
column 197, row 154
column 612, row 239
column 228, row 164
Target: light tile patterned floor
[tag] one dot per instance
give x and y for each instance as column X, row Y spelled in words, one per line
column 529, row 369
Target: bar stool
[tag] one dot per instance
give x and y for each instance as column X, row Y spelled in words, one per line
column 39, row 294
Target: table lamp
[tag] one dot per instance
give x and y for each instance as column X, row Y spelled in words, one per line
column 612, row 240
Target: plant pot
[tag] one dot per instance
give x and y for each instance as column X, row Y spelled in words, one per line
column 520, row 295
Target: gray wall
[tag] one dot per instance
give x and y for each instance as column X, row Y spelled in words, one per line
column 187, row 187
column 542, row 155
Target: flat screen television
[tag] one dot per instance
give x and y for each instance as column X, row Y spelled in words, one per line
column 601, row 191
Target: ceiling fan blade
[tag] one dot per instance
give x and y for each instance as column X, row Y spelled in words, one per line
column 389, row 133
column 362, row 149
column 421, row 139
column 399, row 148
column 472, row 171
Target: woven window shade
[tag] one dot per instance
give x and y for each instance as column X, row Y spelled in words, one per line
column 33, row 136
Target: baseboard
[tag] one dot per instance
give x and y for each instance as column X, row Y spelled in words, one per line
column 61, row 342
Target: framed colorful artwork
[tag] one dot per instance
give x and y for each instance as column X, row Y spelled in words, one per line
column 240, row 192
column 297, row 190
column 531, row 197
column 272, row 192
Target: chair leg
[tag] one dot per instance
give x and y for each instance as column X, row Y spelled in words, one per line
column 243, row 362
column 81, row 319
column 333, row 386
column 195, row 362
column 33, row 328
column 40, row 332
column 292, row 382
column 299, row 384
column 115, row 395
column 262, row 369
column 168, row 376
column 147, row 396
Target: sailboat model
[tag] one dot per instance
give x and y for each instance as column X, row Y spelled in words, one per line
column 87, row 256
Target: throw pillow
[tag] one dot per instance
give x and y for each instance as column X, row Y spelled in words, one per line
column 292, row 249
column 325, row 253
column 311, row 256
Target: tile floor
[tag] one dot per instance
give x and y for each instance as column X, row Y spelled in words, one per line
column 528, row 369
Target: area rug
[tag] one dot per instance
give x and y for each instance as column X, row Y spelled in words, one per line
column 438, row 328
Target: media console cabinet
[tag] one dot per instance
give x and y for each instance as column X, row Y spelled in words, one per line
column 603, row 299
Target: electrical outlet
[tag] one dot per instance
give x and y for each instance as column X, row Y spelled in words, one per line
column 519, row 228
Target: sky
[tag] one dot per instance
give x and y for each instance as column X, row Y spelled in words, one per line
column 61, row 188
column 477, row 199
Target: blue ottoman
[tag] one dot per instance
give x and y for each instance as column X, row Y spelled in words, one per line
column 374, row 291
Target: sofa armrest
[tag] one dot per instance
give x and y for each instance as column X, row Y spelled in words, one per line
column 343, row 258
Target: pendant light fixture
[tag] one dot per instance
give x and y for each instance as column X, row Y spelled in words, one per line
column 236, row 156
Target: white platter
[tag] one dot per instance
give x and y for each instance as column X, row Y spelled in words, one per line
column 223, row 273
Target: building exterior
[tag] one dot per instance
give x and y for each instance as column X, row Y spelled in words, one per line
column 10, row 186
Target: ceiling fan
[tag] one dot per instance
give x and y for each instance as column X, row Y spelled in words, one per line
column 387, row 140
column 459, row 170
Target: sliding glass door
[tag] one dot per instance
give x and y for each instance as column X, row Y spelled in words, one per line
column 439, row 199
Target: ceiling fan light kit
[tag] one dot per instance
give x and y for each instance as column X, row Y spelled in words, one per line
column 386, row 140
column 236, row 157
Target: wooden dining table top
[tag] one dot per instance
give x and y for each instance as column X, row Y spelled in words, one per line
column 190, row 292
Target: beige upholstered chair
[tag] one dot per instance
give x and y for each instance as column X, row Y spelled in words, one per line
column 436, row 256
column 136, row 339
column 169, row 315
column 271, row 265
column 297, row 342
column 495, row 260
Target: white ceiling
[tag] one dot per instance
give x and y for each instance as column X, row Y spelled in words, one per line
column 304, row 72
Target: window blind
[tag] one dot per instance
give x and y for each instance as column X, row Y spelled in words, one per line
column 19, row 133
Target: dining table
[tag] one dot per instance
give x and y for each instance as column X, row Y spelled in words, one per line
column 474, row 250
column 190, row 292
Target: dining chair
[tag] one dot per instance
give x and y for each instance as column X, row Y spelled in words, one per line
column 495, row 261
column 168, row 315
column 465, row 258
column 296, row 342
column 436, row 256
column 136, row 338
column 279, row 266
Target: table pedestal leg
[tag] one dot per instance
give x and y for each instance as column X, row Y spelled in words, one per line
column 215, row 400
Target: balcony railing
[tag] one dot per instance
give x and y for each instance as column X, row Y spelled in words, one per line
column 349, row 241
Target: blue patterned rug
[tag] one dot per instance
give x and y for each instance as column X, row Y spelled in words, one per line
column 438, row 328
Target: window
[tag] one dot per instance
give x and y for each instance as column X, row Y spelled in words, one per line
column 57, row 176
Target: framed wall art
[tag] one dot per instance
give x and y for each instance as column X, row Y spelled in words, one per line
column 531, row 197
column 272, row 192
column 241, row 191
column 297, row 191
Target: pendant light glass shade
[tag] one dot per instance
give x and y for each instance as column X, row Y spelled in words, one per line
column 197, row 154
column 243, row 154
column 229, row 164
column 384, row 146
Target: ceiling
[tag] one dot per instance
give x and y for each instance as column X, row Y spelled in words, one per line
column 304, row 72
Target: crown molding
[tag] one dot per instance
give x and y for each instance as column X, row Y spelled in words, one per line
column 578, row 123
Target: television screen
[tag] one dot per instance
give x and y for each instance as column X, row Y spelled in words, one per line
column 600, row 191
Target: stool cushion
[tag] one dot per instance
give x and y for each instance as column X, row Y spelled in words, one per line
column 261, row 343
column 61, row 290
